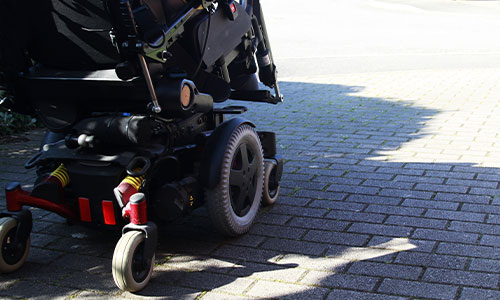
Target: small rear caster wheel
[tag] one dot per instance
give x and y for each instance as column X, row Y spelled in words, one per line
column 14, row 252
column 233, row 204
column 131, row 270
column 271, row 188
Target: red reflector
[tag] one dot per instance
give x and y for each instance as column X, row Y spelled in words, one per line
column 233, row 8
column 108, row 212
column 84, row 209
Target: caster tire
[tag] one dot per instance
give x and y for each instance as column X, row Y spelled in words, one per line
column 234, row 203
column 271, row 190
column 130, row 272
column 13, row 255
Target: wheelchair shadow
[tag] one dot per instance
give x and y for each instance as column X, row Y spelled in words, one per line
column 328, row 230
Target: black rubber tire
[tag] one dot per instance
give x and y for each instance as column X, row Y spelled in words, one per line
column 129, row 272
column 234, row 203
column 12, row 257
column 270, row 193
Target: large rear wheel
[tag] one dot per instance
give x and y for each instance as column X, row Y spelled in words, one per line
column 233, row 204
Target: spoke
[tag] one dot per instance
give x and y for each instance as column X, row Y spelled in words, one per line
column 251, row 191
column 244, row 156
column 239, row 203
column 236, row 178
column 253, row 169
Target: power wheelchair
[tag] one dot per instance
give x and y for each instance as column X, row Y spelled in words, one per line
column 126, row 89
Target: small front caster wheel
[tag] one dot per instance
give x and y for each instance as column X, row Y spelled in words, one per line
column 14, row 252
column 271, row 187
column 131, row 270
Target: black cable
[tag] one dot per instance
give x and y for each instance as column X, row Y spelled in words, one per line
column 204, row 46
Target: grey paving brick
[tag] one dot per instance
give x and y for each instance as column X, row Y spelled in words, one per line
column 292, row 246
column 493, row 219
column 416, row 222
column 474, row 293
column 468, row 250
column 352, row 168
column 474, row 183
column 369, row 175
column 320, row 195
column 305, row 185
column 399, row 171
column 426, row 166
column 441, row 188
column 474, row 227
column 38, row 290
column 316, row 171
column 216, row 282
column 245, row 253
column 347, row 294
column 350, row 254
column 461, row 277
column 455, row 215
column 482, row 208
column 430, row 204
column 486, row 265
column 356, row 216
column 277, row 231
column 333, row 280
column 431, row 260
column 275, row 219
column 89, row 281
column 484, row 191
column 418, row 289
column 490, row 240
column 379, row 229
column 319, row 223
column 401, row 244
column 276, row 290
column 289, row 176
column 388, row 184
column 306, row 164
column 338, row 180
column 488, row 177
column 353, row 189
column 454, row 174
column 288, row 273
column 480, row 170
column 298, row 211
column 444, row 235
column 294, row 200
column 374, row 199
column 338, row 205
column 395, row 210
column 419, row 179
column 338, row 238
column 385, row 270
column 406, row 194
column 462, row 198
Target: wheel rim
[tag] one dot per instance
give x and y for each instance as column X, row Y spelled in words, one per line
column 140, row 266
column 243, row 179
column 12, row 252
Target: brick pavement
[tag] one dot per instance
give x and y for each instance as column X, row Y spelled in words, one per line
column 390, row 191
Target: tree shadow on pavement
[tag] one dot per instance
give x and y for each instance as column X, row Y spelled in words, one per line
column 348, row 221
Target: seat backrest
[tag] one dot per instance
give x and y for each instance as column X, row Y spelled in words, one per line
column 65, row 34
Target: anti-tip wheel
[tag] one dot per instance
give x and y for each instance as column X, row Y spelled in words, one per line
column 234, row 203
column 271, row 188
column 131, row 271
column 14, row 253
